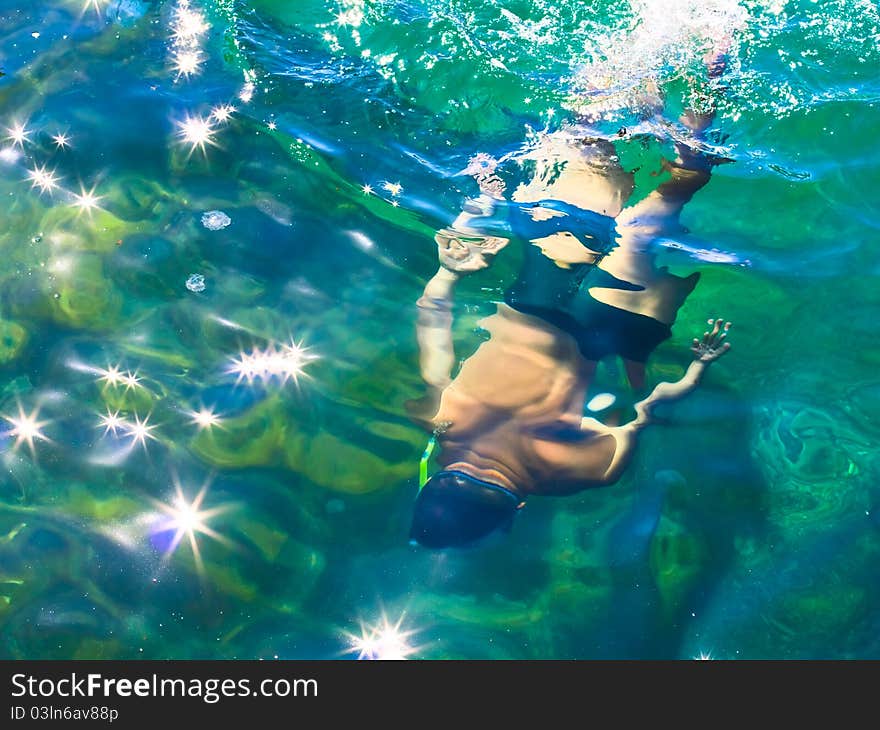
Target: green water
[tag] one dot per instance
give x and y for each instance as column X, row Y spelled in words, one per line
column 765, row 541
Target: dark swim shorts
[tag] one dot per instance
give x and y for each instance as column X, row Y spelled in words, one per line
column 605, row 330
column 561, row 297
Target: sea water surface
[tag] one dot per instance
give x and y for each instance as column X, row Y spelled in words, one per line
column 215, row 220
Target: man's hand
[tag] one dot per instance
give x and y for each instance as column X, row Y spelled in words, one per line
column 706, row 351
column 465, row 253
column 712, row 346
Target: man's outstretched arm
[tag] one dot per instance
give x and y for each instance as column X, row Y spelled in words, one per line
column 706, row 351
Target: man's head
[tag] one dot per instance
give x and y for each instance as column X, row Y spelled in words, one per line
column 454, row 509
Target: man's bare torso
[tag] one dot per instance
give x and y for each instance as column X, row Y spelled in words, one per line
column 515, row 411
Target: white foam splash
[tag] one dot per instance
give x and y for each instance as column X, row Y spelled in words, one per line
column 659, row 40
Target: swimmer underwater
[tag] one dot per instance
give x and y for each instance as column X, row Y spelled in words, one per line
column 510, row 425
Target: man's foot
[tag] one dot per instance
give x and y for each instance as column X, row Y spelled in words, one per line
column 716, row 58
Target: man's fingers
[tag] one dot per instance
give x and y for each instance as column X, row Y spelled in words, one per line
column 714, row 338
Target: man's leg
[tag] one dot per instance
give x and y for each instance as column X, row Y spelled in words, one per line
column 635, row 373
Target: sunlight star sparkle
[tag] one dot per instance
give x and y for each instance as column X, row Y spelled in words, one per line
column 111, row 375
column 86, row 201
column 27, row 428
column 61, row 140
column 187, row 63
column 223, row 112
column 112, row 422
column 96, row 5
column 197, row 132
column 284, row 363
column 131, row 381
column 45, row 180
column 19, row 134
column 139, row 431
column 204, row 418
column 185, row 519
column 188, row 24
column 384, row 641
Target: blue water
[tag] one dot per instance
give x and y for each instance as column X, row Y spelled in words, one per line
column 230, row 472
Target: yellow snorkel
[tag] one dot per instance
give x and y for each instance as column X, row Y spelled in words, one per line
column 426, row 457
column 429, row 451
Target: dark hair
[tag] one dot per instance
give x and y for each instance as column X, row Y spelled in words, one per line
column 454, row 509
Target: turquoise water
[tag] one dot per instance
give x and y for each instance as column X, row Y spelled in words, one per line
column 224, row 467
